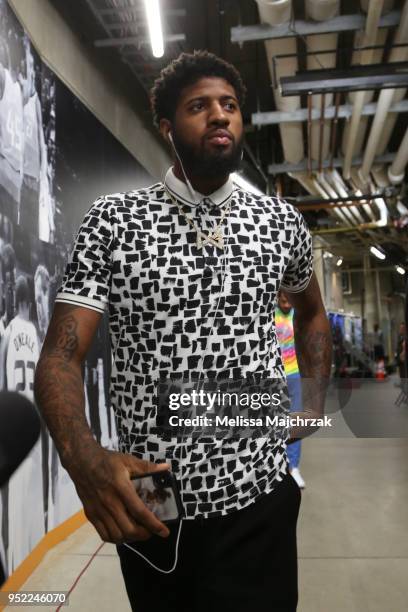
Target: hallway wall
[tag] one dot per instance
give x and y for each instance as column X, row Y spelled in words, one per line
column 82, row 69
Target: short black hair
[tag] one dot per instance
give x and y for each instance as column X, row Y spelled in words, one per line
column 186, row 70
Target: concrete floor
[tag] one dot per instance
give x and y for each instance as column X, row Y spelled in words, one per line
column 352, row 534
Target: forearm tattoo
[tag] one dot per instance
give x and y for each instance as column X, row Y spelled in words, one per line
column 313, row 352
column 313, row 343
column 59, row 390
column 66, row 339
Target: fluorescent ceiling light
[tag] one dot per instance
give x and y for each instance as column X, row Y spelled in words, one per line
column 242, row 182
column 152, row 8
column 339, row 261
column 377, row 252
column 400, row 270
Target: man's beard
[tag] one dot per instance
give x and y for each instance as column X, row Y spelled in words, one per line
column 199, row 162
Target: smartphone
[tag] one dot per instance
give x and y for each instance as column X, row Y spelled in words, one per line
column 159, row 492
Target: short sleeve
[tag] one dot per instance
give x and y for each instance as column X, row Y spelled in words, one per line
column 300, row 267
column 88, row 272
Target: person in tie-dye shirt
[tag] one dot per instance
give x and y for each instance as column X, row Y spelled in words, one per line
column 286, row 337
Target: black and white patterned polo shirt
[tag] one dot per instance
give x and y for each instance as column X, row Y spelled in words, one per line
column 136, row 255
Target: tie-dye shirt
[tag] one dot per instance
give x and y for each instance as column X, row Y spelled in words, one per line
column 286, row 338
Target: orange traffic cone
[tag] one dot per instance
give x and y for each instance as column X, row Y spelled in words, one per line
column 380, row 370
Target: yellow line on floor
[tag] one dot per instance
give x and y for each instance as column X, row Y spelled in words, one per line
column 51, row 539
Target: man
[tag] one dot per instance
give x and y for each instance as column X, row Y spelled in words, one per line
column 190, row 269
column 8, row 267
column 378, row 341
column 19, row 346
column 46, row 215
column 400, row 353
column 49, row 454
column 19, row 352
column 286, row 337
column 42, row 300
column 35, row 154
column 7, row 285
column 11, row 132
column 47, row 208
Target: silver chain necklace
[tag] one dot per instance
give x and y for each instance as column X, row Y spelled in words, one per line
column 216, row 237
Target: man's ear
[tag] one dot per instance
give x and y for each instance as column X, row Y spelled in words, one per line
column 165, row 128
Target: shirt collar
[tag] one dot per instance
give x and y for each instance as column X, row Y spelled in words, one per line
column 180, row 190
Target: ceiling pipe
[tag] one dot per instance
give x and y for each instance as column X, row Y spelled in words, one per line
column 386, row 99
column 308, row 183
column 309, row 135
column 369, row 187
column 334, row 131
column 322, row 132
column 330, row 206
column 346, row 200
column 331, row 193
column 383, row 269
column 373, row 17
column 319, row 132
column 321, row 10
column 311, row 185
column 366, row 227
column 382, row 207
column 340, row 110
column 338, row 188
column 358, row 190
column 396, row 172
column 276, row 12
column 388, row 5
column 381, row 180
column 368, row 95
column 354, row 132
column 390, row 121
column 341, row 189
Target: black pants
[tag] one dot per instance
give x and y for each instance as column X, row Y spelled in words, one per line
column 245, row 561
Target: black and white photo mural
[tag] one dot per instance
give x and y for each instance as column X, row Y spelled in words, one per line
column 56, row 158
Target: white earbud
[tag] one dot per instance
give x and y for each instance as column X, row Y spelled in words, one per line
column 170, row 137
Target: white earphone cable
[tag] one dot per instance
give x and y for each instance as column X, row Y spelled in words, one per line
column 159, row 569
column 189, row 185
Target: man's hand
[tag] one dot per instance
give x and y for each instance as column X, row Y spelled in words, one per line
column 110, row 501
column 102, row 478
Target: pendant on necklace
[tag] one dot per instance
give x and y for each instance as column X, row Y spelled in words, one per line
column 218, row 239
column 215, row 239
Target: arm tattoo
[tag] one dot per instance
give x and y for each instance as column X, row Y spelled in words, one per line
column 59, row 392
column 66, row 339
column 313, row 351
